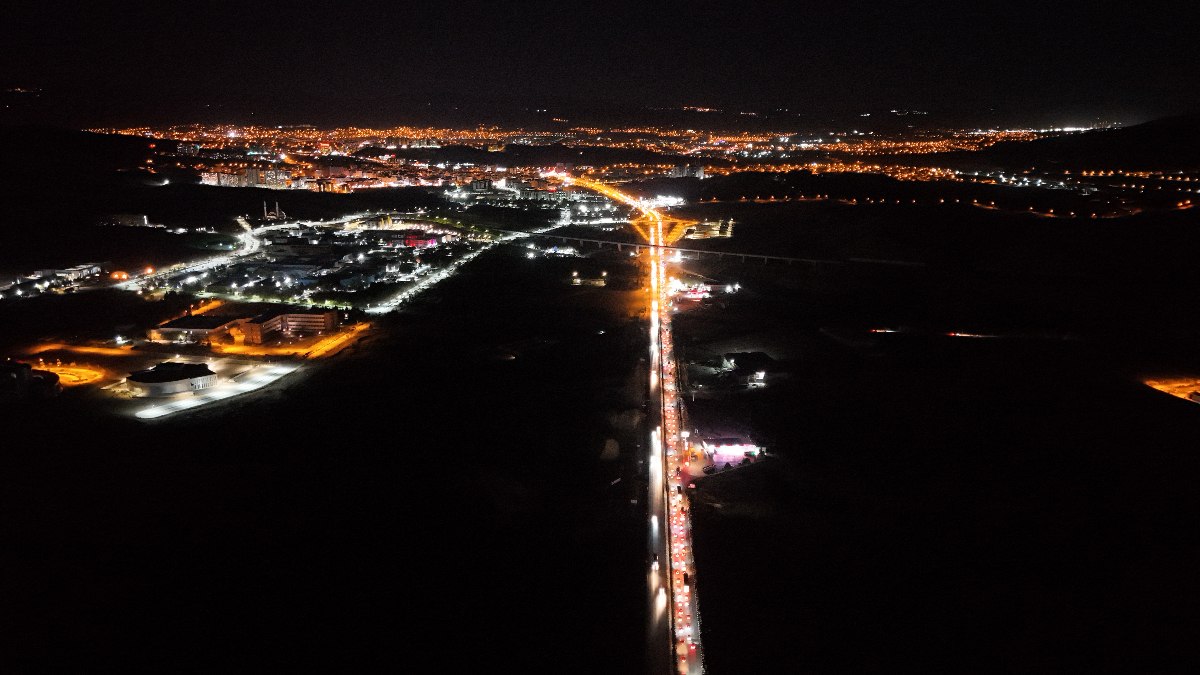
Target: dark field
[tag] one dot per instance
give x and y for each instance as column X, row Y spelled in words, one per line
column 1016, row 503
column 961, row 506
column 423, row 500
column 62, row 244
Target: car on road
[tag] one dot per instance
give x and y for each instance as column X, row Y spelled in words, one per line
column 654, row 564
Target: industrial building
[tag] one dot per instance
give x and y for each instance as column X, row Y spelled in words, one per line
column 193, row 329
column 721, row 229
column 275, row 179
column 687, row 171
column 729, row 449
column 170, row 378
column 288, row 322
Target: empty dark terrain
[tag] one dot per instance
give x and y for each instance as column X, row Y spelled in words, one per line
column 1010, row 503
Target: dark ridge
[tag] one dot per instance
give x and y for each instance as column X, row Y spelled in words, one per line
column 33, row 149
column 1168, row 143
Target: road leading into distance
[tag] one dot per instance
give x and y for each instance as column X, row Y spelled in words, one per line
column 674, row 615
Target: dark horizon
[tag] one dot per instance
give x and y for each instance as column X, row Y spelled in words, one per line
column 1008, row 64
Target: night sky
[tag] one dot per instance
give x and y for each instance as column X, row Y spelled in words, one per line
column 359, row 62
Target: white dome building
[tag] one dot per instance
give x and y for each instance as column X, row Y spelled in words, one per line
column 170, row 378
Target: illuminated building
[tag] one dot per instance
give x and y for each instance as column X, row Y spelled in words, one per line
column 706, row 230
column 728, row 447
column 170, row 378
column 274, row 179
column 688, row 171
column 263, row 326
column 79, row 272
column 193, row 329
column 420, row 241
column 220, row 179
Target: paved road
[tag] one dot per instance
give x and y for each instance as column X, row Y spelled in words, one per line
column 674, row 621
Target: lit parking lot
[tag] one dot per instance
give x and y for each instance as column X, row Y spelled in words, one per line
column 251, row 380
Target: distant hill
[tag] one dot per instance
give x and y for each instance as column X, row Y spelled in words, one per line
column 65, row 176
column 29, row 150
column 1168, row 143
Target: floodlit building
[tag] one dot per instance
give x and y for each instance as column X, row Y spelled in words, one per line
column 193, row 329
column 421, row 240
column 221, row 179
column 707, row 230
column 79, row 272
column 688, row 171
column 170, row 378
column 290, row 322
column 728, row 446
column 275, row 179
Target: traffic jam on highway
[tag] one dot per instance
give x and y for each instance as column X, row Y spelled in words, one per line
column 669, row 452
column 671, row 449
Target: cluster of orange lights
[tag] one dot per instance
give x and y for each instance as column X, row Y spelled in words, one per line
column 897, row 171
column 122, row 275
column 345, row 139
column 1180, row 176
column 952, row 142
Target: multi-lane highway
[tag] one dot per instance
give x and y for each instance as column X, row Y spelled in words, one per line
column 671, row 450
column 674, row 626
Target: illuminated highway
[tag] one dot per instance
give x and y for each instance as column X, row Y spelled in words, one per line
column 674, row 613
column 336, row 342
column 654, row 226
